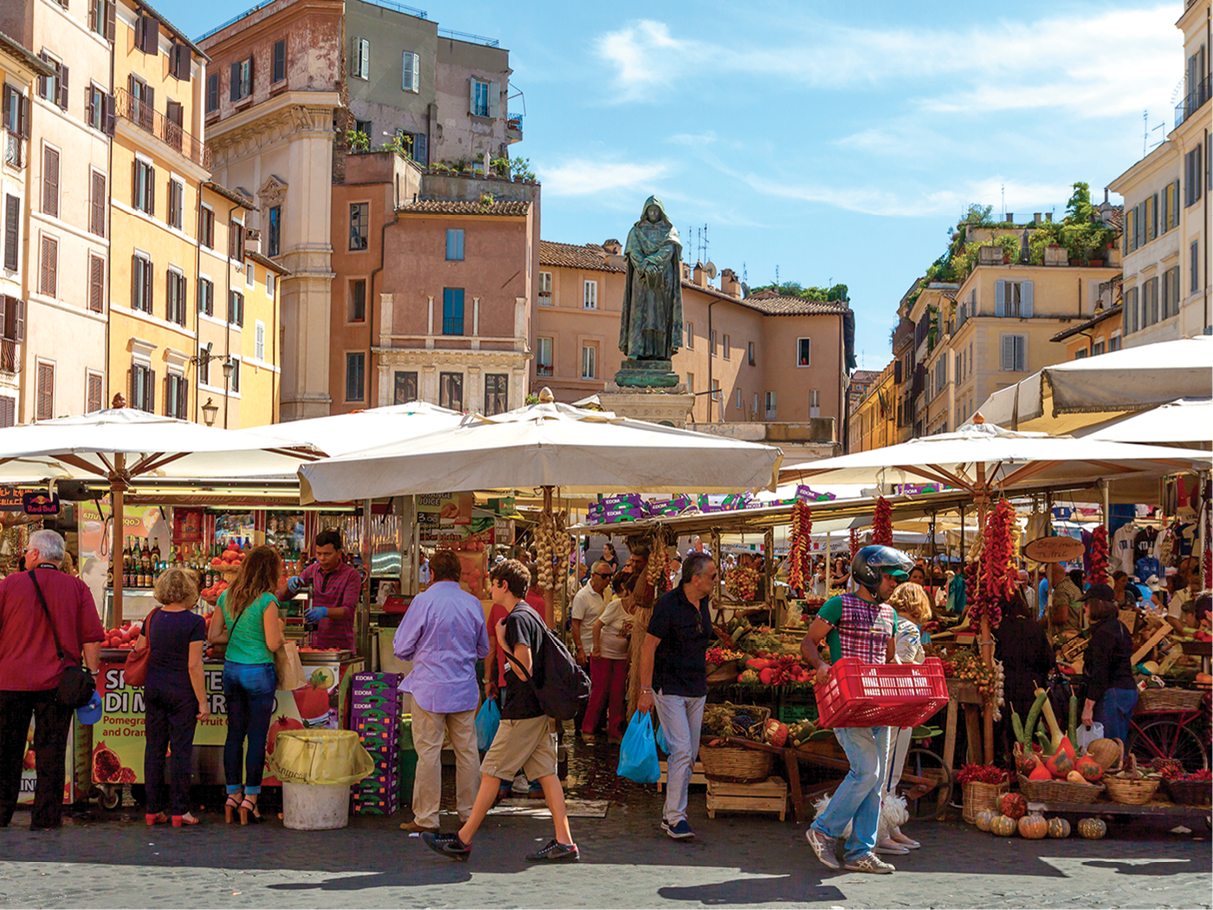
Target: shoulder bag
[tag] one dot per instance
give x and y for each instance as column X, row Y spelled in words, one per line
column 135, row 669
column 76, row 686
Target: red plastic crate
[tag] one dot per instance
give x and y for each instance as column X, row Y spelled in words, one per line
column 881, row 695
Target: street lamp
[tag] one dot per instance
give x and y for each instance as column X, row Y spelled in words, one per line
column 209, row 411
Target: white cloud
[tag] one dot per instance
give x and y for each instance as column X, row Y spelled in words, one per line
column 584, row 177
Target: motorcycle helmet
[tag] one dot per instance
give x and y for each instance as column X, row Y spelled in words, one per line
column 870, row 563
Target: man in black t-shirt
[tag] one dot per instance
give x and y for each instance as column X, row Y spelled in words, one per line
column 525, row 738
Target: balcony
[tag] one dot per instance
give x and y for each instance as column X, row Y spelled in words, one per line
column 173, row 135
column 543, row 369
column 8, row 356
column 14, row 149
column 1193, row 101
column 513, row 127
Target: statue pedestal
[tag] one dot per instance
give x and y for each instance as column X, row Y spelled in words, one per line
column 667, row 406
column 646, row 374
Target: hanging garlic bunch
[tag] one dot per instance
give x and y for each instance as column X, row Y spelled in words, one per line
column 658, row 577
column 999, row 681
column 545, row 550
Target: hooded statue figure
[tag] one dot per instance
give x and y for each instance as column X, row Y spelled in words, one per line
column 651, row 324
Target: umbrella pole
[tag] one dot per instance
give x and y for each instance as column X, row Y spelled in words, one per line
column 117, row 489
column 549, row 594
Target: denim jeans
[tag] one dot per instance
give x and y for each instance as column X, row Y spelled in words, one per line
column 249, row 690
column 1114, row 711
column 168, row 718
column 681, row 719
column 857, row 799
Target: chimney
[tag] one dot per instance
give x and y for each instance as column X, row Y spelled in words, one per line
column 613, row 247
column 686, row 271
column 1105, row 195
column 700, row 277
column 1049, row 217
column 729, row 283
column 1036, row 217
column 1011, row 217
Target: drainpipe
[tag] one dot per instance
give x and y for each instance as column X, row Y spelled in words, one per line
column 227, row 322
column 107, row 401
column 711, row 355
column 374, row 306
column 197, row 315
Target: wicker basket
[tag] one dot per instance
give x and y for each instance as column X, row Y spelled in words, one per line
column 1130, row 792
column 723, row 673
column 1058, row 791
column 978, row 796
column 735, row 764
column 1153, row 700
column 1189, row 792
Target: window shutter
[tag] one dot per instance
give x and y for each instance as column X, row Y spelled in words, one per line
column 50, row 181
column 23, row 116
column 234, row 89
column 182, row 397
column 416, row 62
column 999, row 296
column 151, row 190
column 471, row 96
column 96, row 283
column 50, row 253
column 421, row 148
column 136, row 278
column 8, row 412
column 151, row 35
column 111, row 15
column 92, row 16
column 12, row 231
column 16, row 307
column 1008, row 352
column 90, row 105
column 406, row 71
column 364, row 55
column 494, row 99
column 45, row 408
column 63, row 86
column 94, row 393
column 1025, row 298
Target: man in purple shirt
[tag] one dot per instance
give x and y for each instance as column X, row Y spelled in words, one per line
column 335, row 591
column 443, row 634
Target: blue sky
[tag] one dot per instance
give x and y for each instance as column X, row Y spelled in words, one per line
column 833, row 142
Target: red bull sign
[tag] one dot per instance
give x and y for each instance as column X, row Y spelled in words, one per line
column 39, row 503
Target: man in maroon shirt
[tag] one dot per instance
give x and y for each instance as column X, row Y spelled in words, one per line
column 336, row 588
column 30, row 670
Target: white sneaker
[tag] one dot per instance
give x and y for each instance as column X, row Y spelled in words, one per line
column 869, row 862
column 824, row 846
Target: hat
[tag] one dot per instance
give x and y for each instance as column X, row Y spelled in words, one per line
column 1152, row 583
column 1099, row 592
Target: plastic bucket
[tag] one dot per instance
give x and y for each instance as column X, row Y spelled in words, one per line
column 315, row 807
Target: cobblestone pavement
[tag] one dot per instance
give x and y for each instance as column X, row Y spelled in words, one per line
column 738, row 860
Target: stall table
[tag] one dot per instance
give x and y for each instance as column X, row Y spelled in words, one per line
column 963, row 692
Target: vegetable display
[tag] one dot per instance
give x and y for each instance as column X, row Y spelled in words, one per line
column 551, row 544
column 742, row 583
column 800, row 555
column 997, row 576
column 882, row 523
column 1099, row 555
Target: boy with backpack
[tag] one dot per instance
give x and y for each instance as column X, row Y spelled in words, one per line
column 525, row 739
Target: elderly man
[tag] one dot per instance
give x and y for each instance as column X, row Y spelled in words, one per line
column 38, row 607
column 588, row 605
column 443, row 634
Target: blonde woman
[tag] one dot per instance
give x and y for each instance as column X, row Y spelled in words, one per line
column 246, row 620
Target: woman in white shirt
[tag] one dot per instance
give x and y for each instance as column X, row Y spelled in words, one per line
column 609, row 662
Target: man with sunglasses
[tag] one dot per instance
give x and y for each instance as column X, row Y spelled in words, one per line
column 588, row 605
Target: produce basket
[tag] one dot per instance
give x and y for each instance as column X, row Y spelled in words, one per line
column 978, row 796
column 1130, row 791
column 881, row 695
column 735, row 764
column 1189, row 792
column 723, row 673
column 1058, row 791
column 1153, row 700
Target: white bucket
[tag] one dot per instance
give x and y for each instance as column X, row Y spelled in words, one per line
column 315, row 807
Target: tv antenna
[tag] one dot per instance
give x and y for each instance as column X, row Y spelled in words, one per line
column 1146, row 131
column 1002, row 188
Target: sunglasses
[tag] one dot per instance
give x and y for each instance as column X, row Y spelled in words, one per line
column 604, row 574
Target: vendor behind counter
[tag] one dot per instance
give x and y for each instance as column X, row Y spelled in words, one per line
column 336, row 587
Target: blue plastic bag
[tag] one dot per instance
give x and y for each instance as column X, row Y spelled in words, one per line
column 661, row 742
column 488, row 719
column 638, row 753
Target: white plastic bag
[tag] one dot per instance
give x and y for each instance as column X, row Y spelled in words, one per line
column 1088, row 735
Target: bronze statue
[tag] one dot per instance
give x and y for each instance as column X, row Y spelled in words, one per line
column 650, row 328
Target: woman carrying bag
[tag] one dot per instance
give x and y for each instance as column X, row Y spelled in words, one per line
column 173, row 639
column 246, row 620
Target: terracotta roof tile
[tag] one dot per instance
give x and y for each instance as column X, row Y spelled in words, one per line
column 793, row 306
column 457, row 207
column 590, row 257
column 1115, row 217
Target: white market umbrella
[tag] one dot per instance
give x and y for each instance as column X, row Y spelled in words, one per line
column 341, row 434
column 546, row 445
column 122, row 444
column 1188, row 421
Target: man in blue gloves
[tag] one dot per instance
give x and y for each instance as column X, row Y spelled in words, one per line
column 335, row 590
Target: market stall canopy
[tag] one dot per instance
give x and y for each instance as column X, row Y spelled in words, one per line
column 546, row 445
column 1187, row 421
column 983, row 458
column 341, row 434
column 1067, row 396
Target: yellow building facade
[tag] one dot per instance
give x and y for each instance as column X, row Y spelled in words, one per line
column 873, row 422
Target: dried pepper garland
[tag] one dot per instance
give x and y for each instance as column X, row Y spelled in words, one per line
column 882, row 523
column 854, row 542
column 800, row 556
column 995, row 579
column 1099, row 556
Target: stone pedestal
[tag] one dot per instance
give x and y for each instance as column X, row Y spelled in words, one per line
column 646, row 374
column 668, row 406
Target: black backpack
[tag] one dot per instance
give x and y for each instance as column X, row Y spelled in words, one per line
column 562, row 688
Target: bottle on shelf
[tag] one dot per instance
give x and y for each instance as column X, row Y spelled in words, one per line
column 156, row 555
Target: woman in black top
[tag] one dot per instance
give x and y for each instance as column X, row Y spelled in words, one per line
column 610, row 557
column 174, row 695
column 1027, row 659
column 1110, row 692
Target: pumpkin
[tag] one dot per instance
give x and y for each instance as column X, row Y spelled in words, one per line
column 1026, row 764
column 1003, row 826
column 1013, row 806
column 1062, row 762
column 1075, row 777
column 1033, row 826
column 1059, row 827
column 1041, row 773
column 776, row 733
column 1105, row 751
column 1089, row 768
column 1092, row 828
column 985, row 818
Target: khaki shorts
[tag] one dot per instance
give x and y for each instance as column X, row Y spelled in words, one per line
column 522, row 745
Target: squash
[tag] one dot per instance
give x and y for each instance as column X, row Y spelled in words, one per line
column 1003, row 826
column 1058, row 827
column 1062, row 762
column 1041, row 773
column 1089, row 768
column 1029, row 727
column 1013, row 805
column 1092, row 828
column 985, row 818
column 776, row 733
column 1033, row 826
column 1026, row 763
column 1105, row 751
column 1075, row 777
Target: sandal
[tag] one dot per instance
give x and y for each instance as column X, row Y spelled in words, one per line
column 186, row 820
column 231, row 806
column 155, row 818
column 248, row 811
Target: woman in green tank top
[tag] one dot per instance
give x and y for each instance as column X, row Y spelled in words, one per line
column 247, row 621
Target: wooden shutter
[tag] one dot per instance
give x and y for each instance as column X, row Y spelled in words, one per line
column 63, row 86
column 97, row 200
column 234, row 88
column 471, row 96
column 136, row 280
column 45, row 404
column 94, row 399
column 181, row 60
column 50, row 264
column 182, row 397
column 150, row 39
column 12, row 231
column 999, row 297
column 8, row 412
column 96, row 283
column 1025, row 298
column 14, row 319
column 92, row 16
column 50, row 181
column 111, row 15
column 494, row 99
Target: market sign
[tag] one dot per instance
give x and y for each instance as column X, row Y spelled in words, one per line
column 38, row 503
column 1054, row 549
column 11, row 499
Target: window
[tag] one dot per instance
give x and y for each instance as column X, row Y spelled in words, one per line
column 1098, row 348
column 691, row 382
column 54, row 88
column 589, row 361
column 279, row 70
column 690, row 335
column 357, row 300
column 12, row 324
column 1170, row 206
column 50, row 181
column 712, row 342
column 770, row 405
column 1193, row 162
column 241, row 79
column 235, row 240
column 543, row 356
column 1014, row 353
column 589, row 297
column 144, row 187
column 96, row 106
column 176, row 394
column 96, row 283
column 739, row 399
column 814, row 402
column 176, row 203
column 259, row 340
column 94, row 394
column 454, row 244
column 1193, row 266
column 235, row 380
column 271, row 284
column 204, row 366
column 1080, row 353
column 206, row 297
column 360, row 59
column 452, row 311
column 147, row 33
column 1013, row 299
column 450, row 391
column 360, row 213
column 485, row 98
column 1131, row 317
column 545, row 288
column 404, row 386
column 355, row 376
column 48, row 258
column 750, row 352
column 1170, row 292
column 496, row 393
column 235, row 308
column 410, row 72
column 1149, row 302
column 725, row 347
column 44, row 404
column 273, row 242
column 212, row 93
column 1114, row 343
column 16, row 123
column 12, row 231
column 141, row 283
column 364, row 127
column 804, row 352
column 206, row 227
column 143, row 388
column 101, row 15
column 250, row 275
column 175, row 297
column 97, row 203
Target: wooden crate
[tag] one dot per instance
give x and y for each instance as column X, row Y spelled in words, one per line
column 696, row 775
column 771, row 795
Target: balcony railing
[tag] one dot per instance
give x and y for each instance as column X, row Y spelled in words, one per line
column 543, row 369
column 14, row 149
column 8, row 355
column 144, row 116
column 1193, row 101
